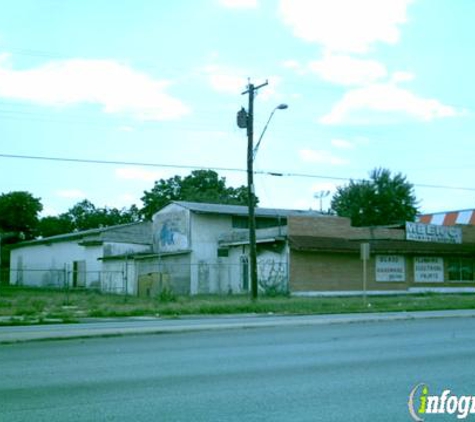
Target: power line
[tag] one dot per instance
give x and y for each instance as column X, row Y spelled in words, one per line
column 197, row 167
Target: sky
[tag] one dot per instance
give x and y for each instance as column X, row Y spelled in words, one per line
column 149, row 89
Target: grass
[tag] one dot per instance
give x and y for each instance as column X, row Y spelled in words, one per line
column 22, row 305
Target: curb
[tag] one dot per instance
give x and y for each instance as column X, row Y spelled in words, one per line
column 117, row 328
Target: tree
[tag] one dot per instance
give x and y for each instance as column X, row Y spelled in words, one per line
column 54, row 225
column 85, row 216
column 19, row 215
column 199, row 186
column 382, row 200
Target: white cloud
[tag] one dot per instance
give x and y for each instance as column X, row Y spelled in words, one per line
column 402, row 77
column 345, row 25
column 342, row 144
column 357, row 104
column 226, row 80
column 227, row 84
column 346, row 70
column 239, row 4
column 137, row 173
column 126, row 129
column 362, row 140
column 71, row 194
column 118, row 88
column 4, row 58
column 321, row 157
column 234, row 81
column 270, row 91
column 291, row 64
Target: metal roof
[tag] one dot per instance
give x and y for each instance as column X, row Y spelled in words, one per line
column 242, row 210
column 132, row 232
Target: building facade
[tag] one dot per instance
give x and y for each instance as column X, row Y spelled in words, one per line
column 203, row 249
column 195, row 248
column 76, row 259
column 326, row 258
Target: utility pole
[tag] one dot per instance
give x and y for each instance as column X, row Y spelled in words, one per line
column 251, row 90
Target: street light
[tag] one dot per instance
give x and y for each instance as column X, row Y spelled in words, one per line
column 245, row 120
column 279, row 107
column 320, row 195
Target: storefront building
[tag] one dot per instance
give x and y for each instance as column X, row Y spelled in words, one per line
column 328, row 257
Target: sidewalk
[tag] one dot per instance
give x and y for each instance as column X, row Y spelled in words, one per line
column 135, row 326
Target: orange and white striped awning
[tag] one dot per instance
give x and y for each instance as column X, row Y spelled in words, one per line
column 448, row 218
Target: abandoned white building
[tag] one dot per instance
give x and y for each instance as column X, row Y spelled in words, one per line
column 74, row 259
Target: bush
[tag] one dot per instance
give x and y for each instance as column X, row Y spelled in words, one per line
column 167, row 295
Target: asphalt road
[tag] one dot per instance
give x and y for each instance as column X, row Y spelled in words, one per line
column 341, row 372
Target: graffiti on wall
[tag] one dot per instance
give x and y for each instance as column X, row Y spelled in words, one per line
column 171, row 233
column 272, row 274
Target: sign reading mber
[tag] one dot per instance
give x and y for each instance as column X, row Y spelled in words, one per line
column 433, row 233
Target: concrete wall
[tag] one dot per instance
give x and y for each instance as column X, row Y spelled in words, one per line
column 53, row 264
column 171, row 229
column 238, row 255
column 208, row 272
column 176, row 268
column 119, row 276
column 115, row 248
column 272, row 269
column 46, row 265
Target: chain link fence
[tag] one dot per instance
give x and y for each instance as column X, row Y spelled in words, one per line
column 104, row 281
column 149, row 280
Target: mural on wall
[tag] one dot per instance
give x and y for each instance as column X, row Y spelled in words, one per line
column 171, row 232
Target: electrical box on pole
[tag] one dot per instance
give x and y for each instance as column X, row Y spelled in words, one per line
column 242, row 118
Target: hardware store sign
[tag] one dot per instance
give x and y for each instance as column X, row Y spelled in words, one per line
column 390, row 268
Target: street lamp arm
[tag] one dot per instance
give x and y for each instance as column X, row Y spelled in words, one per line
column 262, row 134
column 279, row 107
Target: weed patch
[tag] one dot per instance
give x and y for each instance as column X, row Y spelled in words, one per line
column 21, row 305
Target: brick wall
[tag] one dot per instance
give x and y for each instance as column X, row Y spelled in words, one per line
column 339, row 227
column 322, row 271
